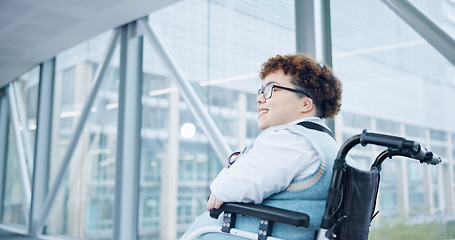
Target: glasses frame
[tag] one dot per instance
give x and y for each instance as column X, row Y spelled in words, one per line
column 272, row 86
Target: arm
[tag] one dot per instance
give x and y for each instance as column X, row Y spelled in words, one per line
column 274, row 161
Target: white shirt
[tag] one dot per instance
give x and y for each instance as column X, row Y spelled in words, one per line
column 276, row 158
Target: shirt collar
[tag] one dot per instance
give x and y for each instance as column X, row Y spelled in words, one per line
column 310, row 119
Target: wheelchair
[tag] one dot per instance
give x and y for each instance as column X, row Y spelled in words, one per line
column 351, row 200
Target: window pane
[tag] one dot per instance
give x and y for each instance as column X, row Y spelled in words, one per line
column 25, row 91
column 219, row 47
column 394, row 77
column 13, row 211
column 84, row 204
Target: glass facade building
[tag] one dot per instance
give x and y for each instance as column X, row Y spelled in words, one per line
column 126, row 140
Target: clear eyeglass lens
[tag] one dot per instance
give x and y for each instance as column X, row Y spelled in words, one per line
column 260, row 91
column 268, row 91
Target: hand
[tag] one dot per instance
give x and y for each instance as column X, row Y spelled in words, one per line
column 213, row 202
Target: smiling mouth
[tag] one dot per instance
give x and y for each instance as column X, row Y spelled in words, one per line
column 262, row 112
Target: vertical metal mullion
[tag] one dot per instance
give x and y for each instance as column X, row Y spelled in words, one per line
column 402, row 184
column 129, row 125
column 42, row 143
column 77, row 133
column 3, row 145
column 325, row 39
column 313, row 33
column 450, row 172
column 305, row 27
column 428, row 180
column 20, row 151
column 169, row 173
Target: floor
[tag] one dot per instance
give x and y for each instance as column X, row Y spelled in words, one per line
column 6, row 235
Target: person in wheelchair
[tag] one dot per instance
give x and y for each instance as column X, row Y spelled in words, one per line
column 289, row 163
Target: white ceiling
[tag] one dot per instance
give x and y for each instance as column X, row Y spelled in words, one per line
column 33, row 31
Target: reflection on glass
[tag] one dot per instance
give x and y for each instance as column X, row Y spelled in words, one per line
column 415, row 179
column 219, row 48
column 395, row 80
column 25, row 95
column 85, row 202
column 13, row 212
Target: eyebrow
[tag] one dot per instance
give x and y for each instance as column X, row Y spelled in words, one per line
column 270, row 83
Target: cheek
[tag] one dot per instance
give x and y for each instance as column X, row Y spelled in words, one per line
column 280, row 113
column 288, row 112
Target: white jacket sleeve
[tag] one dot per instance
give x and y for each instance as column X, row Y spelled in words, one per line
column 274, row 161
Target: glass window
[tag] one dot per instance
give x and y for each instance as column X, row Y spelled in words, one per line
column 438, row 135
column 25, row 95
column 394, row 82
column 219, row 47
column 416, row 200
column 388, row 202
column 84, row 204
column 439, row 150
column 441, row 13
column 415, row 172
column 414, row 131
column 392, row 75
column 13, row 211
column 386, row 126
column 436, row 200
column 354, row 120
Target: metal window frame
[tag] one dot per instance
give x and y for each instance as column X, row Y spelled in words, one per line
column 4, row 122
column 42, row 143
column 128, row 138
column 312, row 24
column 424, row 26
column 313, row 34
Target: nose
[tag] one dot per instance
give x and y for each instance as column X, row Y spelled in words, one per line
column 260, row 98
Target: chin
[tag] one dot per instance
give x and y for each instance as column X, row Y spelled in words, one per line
column 262, row 126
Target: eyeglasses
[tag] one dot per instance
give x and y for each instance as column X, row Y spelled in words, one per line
column 268, row 90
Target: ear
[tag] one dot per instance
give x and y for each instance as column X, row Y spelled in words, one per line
column 307, row 105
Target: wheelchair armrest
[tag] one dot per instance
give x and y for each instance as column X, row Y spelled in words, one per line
column 264, row 212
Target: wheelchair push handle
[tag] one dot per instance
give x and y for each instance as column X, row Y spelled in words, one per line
column 401, row 146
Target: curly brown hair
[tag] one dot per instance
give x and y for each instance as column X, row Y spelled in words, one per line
column 310, row 76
